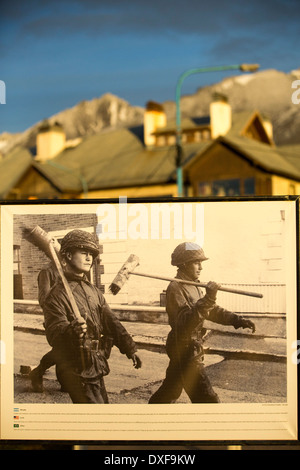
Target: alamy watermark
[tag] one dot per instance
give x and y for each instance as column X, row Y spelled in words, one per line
column 155, row 221
column 2, row 92
column 296, row 94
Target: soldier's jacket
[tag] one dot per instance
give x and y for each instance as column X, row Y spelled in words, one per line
column 102, row 324
column 46, row 279
column 186, row 317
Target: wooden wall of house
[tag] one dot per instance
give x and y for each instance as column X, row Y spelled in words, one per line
column 223, row 164
column 33, row 185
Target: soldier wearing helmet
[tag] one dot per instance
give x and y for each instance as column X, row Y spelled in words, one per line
column 82, row 346
column 79, row 240
column 187, row 308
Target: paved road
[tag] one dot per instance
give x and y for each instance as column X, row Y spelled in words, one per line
column 234, row 380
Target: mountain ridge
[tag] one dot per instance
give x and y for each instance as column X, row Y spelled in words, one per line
column 268, row 91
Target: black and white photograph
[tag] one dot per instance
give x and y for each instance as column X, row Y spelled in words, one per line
column 179, row 315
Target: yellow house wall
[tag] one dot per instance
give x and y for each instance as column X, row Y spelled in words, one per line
column 143, row 191
column 219, row 163
column 283, row 186
column 34, row 186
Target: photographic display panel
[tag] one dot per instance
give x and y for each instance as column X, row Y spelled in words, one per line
column 164, row 359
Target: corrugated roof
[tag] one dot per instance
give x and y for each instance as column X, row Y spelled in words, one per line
column 263, row 155
column 240, row 121
column 291, row 153
column 12, row 168
column 64, row 178
column 114, row 159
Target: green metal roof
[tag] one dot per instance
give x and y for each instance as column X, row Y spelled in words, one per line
column 291, row 153
column 113, row 159
column 12, row 168
column 266, row 156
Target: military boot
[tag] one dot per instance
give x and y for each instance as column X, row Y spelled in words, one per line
column 36, row 377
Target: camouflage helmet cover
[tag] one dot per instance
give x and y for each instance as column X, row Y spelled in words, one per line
column 80, row 239
column 187, row 252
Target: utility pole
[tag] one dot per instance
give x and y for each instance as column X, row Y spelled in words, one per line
column 183, row 76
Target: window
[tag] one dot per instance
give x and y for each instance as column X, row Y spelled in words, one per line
column 17, row 260
column 204, row 189
column 18, row 282
column 227, row 187
column 249, row 187
column 220, row 188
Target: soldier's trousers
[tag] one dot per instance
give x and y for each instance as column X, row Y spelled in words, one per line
column 47, row 361
column 189, row 376
column 80, row 390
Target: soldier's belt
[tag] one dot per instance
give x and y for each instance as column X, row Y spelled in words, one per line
column 91, row 344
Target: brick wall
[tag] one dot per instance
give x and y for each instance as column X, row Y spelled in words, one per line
column 32, row 259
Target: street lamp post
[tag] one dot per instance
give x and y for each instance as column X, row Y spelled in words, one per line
column 183, row 76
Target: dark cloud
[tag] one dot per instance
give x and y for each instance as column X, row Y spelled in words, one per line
column 125, row 19
column 230, row 29
column 137, row 16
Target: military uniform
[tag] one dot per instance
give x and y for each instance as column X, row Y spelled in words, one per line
column 82, row 364
column 102, row 325
column 187, row 308
column 46, row 279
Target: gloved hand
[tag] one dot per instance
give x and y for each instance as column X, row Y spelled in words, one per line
column 247, row 324
column 79, row 327
column 206, row 303
column 212, row 289
column 137, row 363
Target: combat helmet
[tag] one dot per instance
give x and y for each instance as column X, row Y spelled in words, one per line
column 187, row 252
column 80, row 239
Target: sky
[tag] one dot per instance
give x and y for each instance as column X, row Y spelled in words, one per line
column 54, row 54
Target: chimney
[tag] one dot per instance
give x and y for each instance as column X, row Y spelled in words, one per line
column 220, row 115
column 50, row 141
column 154, row 118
